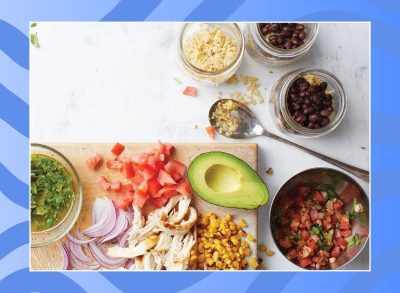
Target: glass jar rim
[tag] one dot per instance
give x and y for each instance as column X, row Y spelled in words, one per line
column 187, row 63
column 283, row 53
column 332, row 80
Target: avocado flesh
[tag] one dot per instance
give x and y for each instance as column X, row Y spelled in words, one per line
column 223, row 179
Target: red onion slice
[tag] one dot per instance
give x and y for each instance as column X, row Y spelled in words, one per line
column 103, row 260
column 124, row 238
column 120, row 226
column 64, row 252
column 105, row 216
column 77, row 264
column 79, row 241
column 77, row 251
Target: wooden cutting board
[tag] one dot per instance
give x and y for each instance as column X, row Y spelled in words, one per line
column 49, row 257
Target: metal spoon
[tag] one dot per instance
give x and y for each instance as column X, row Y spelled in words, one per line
column 249, row 126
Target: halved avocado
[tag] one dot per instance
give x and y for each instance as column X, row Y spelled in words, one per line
column 225, row 180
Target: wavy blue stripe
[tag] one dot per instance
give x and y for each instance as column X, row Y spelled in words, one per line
column 131, row 10
column 173, row 10
column 155, row 282
column 277, row 282
column 14, row 43
column 14, row 237
column 94, row 282
column 14, row 111
column 11, row 213
column 14, row 143
column 17, row 259
column 24, row 281
column 13, row 188
column 14, row 77
column 214, row 10
column 223, row 282
column 384, row 264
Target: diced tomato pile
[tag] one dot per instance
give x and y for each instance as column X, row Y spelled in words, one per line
column 152, row 176
column 312, row 227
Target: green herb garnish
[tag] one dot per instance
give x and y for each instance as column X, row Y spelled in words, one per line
column 354, row 240
column 51, row 192
column 35, row 40
column 331, row 194
column 352, row 213
column 316, row 230
column 33, row 24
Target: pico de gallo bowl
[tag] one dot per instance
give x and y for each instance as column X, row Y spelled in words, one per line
column 320, row 219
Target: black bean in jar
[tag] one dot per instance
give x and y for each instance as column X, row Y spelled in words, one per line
column 309, row 104
column 283, row 35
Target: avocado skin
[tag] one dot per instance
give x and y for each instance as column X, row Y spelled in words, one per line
column 252, row 184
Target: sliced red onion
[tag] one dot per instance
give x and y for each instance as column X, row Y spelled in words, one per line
column 105, row 261
column 105, row 217
column 80, row 240
column 129, row 263
column 77, row 264
column 121, row 225
column 77, row 251
column 124, row 238
column 64, row 251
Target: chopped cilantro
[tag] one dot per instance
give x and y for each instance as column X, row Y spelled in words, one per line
column 316, row 230
column 354, row 240
column 331, row 194
column 51, row 192
column 352, row 214
column 35, row 40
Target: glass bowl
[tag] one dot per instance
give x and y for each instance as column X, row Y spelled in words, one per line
column 279, row 105
column 259, row 49
column 346, row 189
column 53, row 234
column 214, row 77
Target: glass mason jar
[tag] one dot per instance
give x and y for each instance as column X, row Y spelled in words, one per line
column 279, row 103
column 261, row 50
column 232, row 30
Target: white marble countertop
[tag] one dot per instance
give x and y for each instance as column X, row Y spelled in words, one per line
column 107, row 82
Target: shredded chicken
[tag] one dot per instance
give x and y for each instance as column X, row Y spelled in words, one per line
column 164, row 240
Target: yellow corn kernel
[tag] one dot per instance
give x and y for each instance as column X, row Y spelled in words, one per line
column 253, row 263
column 202, row 258
column 219, row 248
column 235, row 265
column 237, row 254
column 228, row 217
column 244, row 244
column 234, row 249
column 232, row 227
column 227, row 261
column 242, row 223
column 247, row 252
column 241, row 233
column 231, row 255
column 207, row 245
column 201, row 249
column 218, row 264
column 214, row 223
column 208, row 214
column 193, row 257
column 270, row 252
column 209, row 261
column 215, row 255
column 241, row 250
column 250, row 237
column 234, row 240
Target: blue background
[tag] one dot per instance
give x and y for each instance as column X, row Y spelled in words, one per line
column 14, row 144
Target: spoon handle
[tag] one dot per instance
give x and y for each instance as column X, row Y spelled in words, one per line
column 363, row 174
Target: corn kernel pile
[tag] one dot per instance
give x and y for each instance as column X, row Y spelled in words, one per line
column 221, row 245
